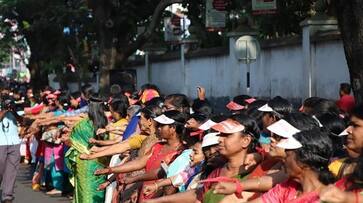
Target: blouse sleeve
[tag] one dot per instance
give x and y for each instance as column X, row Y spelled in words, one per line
column 280, row 193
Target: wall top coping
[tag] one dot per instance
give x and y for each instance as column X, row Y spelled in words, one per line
column 319, row 37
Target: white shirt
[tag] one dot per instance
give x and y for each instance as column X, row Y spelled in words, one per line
column 9, row 134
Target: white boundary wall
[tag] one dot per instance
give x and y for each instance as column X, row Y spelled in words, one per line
column 278, row 71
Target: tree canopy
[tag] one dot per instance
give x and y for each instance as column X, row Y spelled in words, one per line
column 87, row 32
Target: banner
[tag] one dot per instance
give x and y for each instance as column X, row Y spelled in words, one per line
column 215, row 14
column 260, row 7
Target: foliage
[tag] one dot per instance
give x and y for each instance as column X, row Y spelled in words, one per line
column 82, row 31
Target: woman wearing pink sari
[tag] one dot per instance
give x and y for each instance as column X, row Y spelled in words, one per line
column 307, row 158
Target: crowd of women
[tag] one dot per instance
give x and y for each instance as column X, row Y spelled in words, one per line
column 147, row 147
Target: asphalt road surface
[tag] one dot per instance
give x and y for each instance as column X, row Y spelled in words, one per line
column 24, row 192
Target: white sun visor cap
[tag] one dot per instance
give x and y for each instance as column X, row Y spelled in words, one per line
column 210, row 139
column 283, row 128
column 162, row 119
column 289, row 143
column 228, row 126
column 344, row 133
column 266, row 108
column 207, row 125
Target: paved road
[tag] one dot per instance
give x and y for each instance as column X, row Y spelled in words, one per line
column 24, row 193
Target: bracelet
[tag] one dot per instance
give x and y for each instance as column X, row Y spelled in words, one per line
column 156, row 185
column 239, row 190
column 259, row 183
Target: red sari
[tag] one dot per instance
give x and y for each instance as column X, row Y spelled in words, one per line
column 261, row 170
column 154, row 162
column 286, row 192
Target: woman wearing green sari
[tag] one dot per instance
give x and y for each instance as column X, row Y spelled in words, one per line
column 84, row 182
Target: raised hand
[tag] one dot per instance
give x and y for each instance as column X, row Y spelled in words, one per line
column 225, row 188
column 101, row 131
column 201, row 93
column 85, row 157
column 92, row 141
column 150, row 189
column 104, row 185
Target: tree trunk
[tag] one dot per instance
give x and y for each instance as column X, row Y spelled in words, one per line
column 39, row 78
column 350, row 19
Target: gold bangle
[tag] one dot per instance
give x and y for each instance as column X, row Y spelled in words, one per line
column 156, row 185
column 259, row 183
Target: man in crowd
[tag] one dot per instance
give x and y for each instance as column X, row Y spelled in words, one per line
column 346, row 101
column 9, row 151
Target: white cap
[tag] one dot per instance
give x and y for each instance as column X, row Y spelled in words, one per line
column 283, row 129
column 344, row 133
column 20, row 113
column 162, row 119
column 207, row 125
column 228, row 126
column 266, row 108
column 289, row 143
column 210, row 139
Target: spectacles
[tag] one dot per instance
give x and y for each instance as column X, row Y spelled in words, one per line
column 168, row 108
column 276, row 137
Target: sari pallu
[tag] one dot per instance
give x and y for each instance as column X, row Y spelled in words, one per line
column 154, row 162
column 287, row 192
column 84, row 181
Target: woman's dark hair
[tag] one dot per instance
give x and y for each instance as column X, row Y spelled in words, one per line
column 257, row 104
column 157, row 101
column 302, row 121
column 358, row 111
column 281, row 106
column 87, row 91
column 151, row 111
column 334, row 125
column 325, row 106
column 75, row 95
column 115, row 89
column 179, row 125
column 180, row 101
column 120, row 106
column 96, row 112
column 311, row 102
column 149, row 86
column 179, row 118
column 316, row 152
column 202, row 107
column 64, row 101
column 251, row 128
column 200, row 118
column 256, row 115
column 241, row 99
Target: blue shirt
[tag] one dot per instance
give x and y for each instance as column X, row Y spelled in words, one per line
column 76, row 112
column 180, row 163
column 131, row 127
column 9, row 134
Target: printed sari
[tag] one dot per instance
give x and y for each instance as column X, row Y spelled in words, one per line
column 84, row 181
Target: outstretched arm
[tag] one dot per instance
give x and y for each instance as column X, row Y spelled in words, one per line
column 182, row 197
column 134, row 165
column 113, row 149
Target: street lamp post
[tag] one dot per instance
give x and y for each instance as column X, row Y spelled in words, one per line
column 247, row 50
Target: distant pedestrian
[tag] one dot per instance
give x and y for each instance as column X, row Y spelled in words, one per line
column 9, row 152
column 346, row 101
